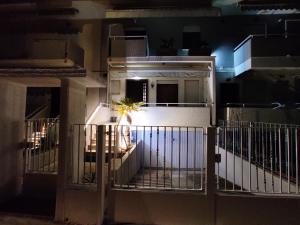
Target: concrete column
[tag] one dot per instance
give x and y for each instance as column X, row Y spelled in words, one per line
column 72, row 111
column 100, row 173
column 12, row 118
column 210, row 174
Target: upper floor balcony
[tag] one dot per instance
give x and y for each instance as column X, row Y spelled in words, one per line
column 187, row 82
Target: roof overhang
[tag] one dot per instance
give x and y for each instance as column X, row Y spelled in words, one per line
column 160, row 66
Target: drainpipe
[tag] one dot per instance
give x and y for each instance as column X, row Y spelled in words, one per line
column 286, row 25
column 266, row 30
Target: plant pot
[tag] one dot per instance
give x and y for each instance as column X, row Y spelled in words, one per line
column 166, row 52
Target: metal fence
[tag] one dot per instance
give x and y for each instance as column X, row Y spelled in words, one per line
column 156, row 157
column 257, row 157
column 83, row 154
column 136, row 157
column 41, row 145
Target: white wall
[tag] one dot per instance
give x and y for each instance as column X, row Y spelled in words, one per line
column 263, row 115
column 102, row 115
column 241, row 172
column 92, row 101
column 203, row 84
column 172, row 116
column 12, row 117
column 171, row 147
column 72, row 111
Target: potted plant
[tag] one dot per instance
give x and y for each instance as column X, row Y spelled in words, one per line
column 124, row 108
column 167, row 48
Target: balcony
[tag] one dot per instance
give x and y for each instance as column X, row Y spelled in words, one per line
column 257, row 52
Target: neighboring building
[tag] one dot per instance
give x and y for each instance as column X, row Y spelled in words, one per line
column 65, row 64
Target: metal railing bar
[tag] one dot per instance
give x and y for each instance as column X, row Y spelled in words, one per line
column 179, row 150
column 164, row 160
column 187, row 156
column 297, row 166
column 157, row 153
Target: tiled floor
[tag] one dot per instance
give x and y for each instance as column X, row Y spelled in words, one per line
column 181, row 179
column 24, row 220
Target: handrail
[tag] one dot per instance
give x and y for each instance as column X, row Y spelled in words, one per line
column 37, row 110
column 273, row 105
column 238, row 123
column 205, row 104
column 129, row 36
column 251, row 36
column 100, row 105
column 145, row 37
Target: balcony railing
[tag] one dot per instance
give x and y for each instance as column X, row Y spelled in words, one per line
column 83, row 154
column 250, row 157
column 258, row 157
column 141, row 157
column 41, row 145
column 201, row 104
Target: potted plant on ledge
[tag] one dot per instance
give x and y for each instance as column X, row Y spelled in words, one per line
column 124, row 108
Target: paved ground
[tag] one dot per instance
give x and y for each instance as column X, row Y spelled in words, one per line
column 25, row 220
column 21, row 220
column 30, row 206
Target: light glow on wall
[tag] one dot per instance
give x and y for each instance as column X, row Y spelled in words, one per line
column 92, row 116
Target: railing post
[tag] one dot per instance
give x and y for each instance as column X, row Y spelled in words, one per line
column 100, row 171
column 210, row 172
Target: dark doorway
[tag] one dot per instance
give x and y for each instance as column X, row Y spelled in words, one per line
column 137, row 90
column 229, row 93
column 55, row 102
column 167, row 93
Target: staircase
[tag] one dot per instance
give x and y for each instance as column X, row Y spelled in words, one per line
column 41, row 145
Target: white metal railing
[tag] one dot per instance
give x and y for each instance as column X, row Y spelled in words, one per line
column 167, row 104
column 132, row 37
column 41, row 145
column 273, row 105
column 99, row 106
column 141, row 157
column 257, row 157
column 83, row 154
column 158, row 157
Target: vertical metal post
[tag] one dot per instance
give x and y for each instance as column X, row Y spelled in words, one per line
column 164, row 162
column 150, row 170
column 241, row 146
column 218, row 152
column 49, row 134
column 233, row 153
column 55, row 144
column 271, row 157
column 210, row 186
column 143, row 161
column 288, row 159
column 157, row 154
column 100, row 172
column 115, row 132
column 172, row 143
column 256, row 139
column 84, row 149
column 297, row 165
column 249, row 153
column 78, row 155
column 280, row 167
column 91, row 146
column 263, row 152
column 137, row 152
column 225, row 147
column 44, row 144
column 25, row 151
column 179, row 149
column 121, row 166
column 109, row 170
column 187, row 156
